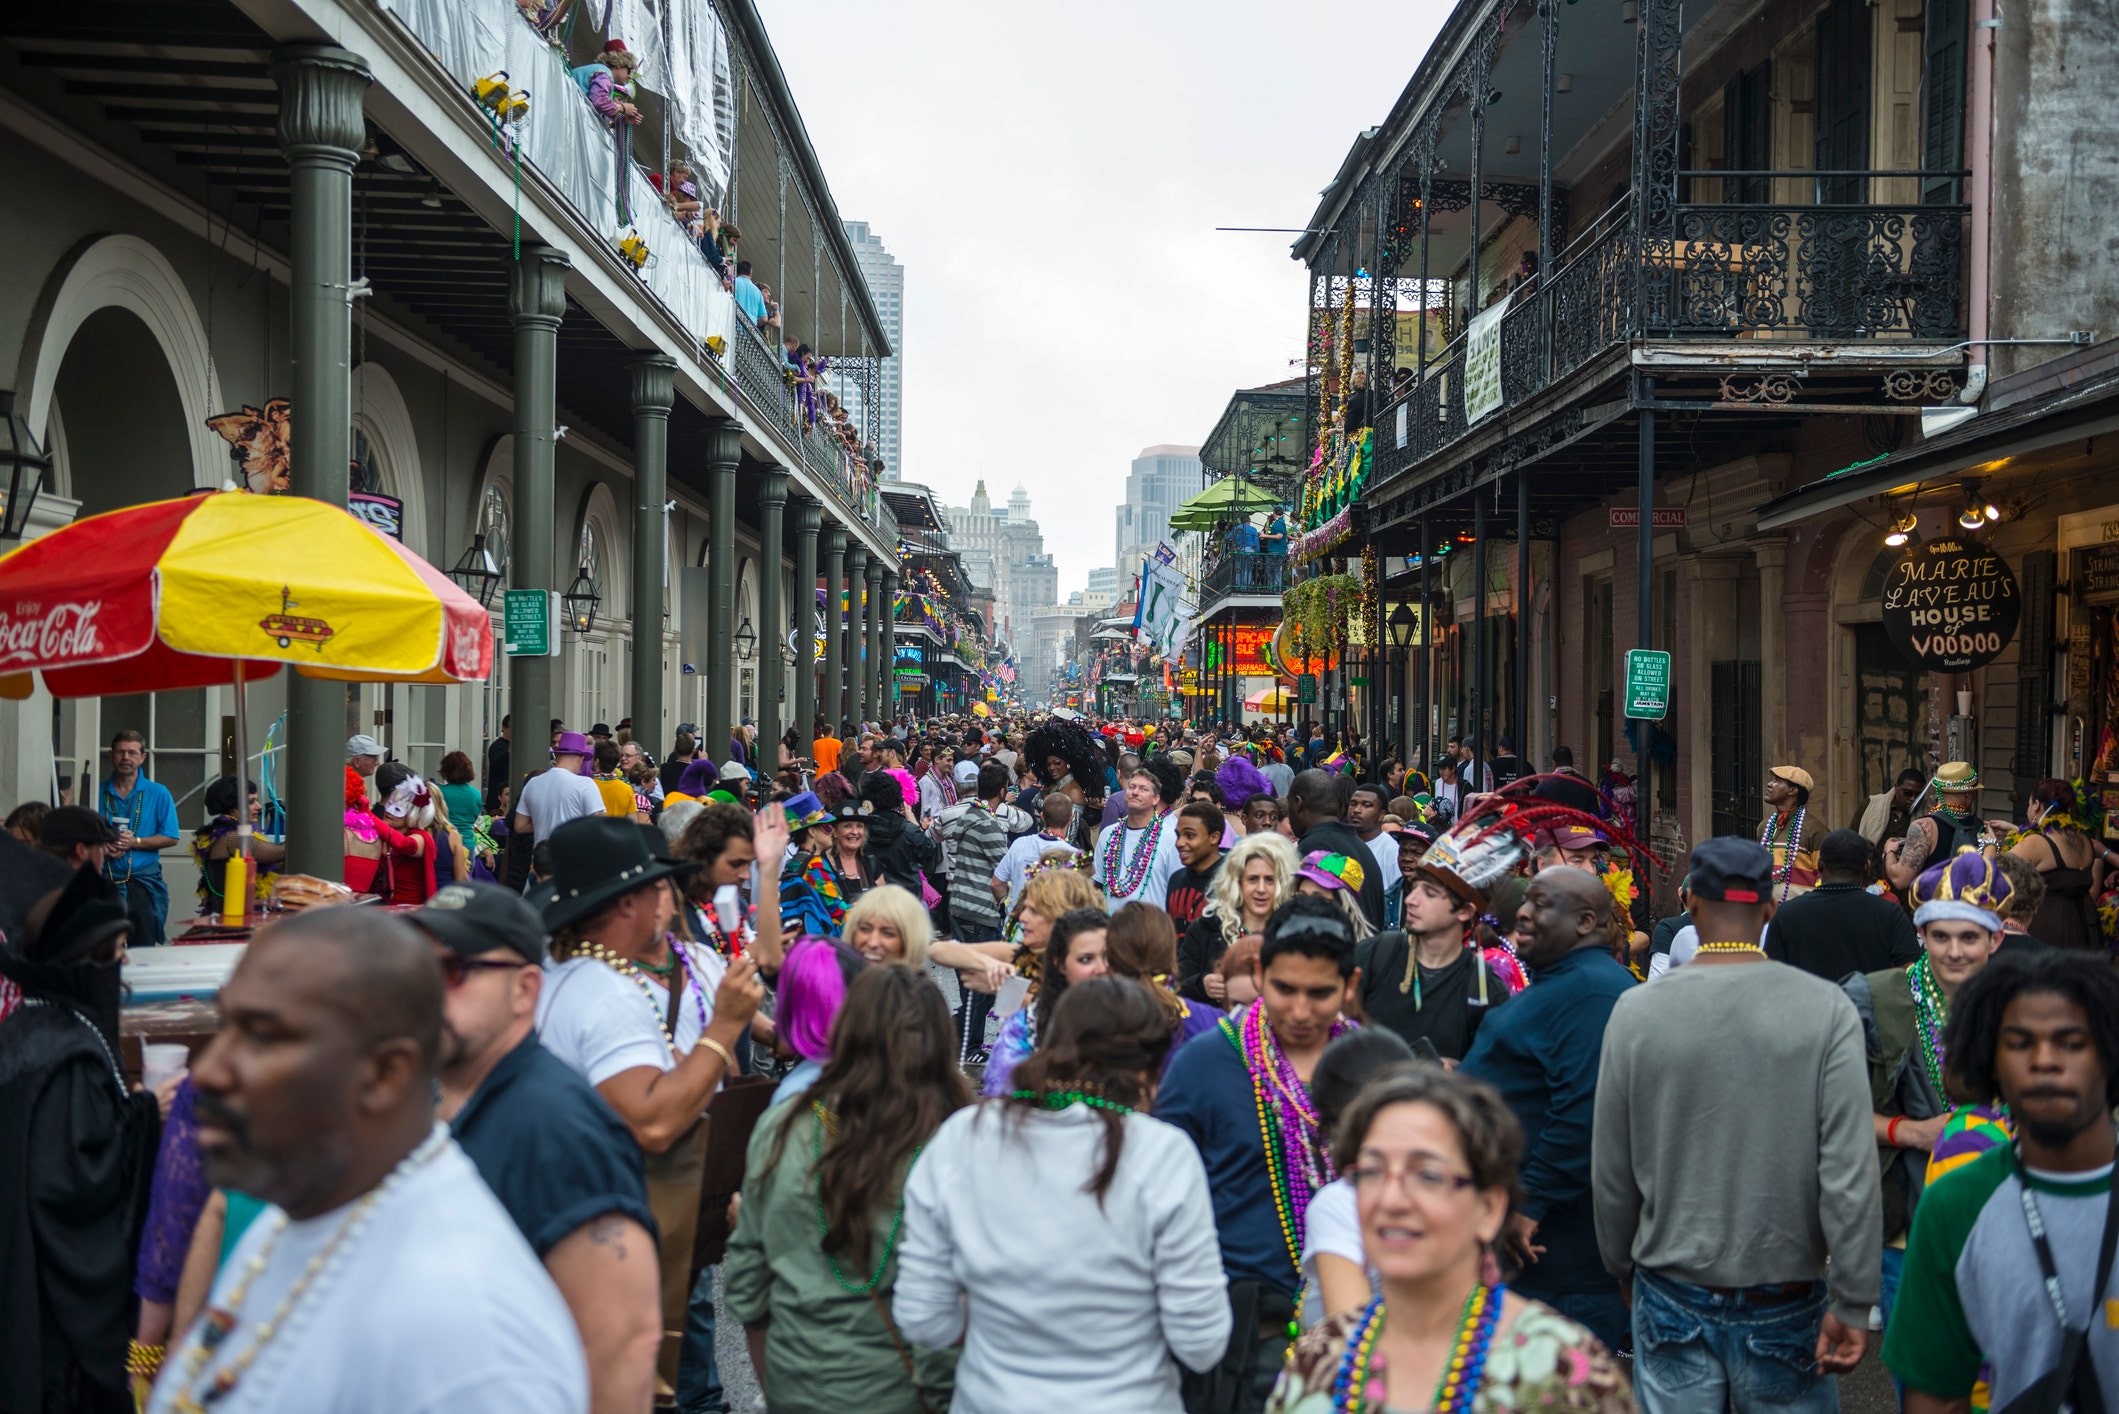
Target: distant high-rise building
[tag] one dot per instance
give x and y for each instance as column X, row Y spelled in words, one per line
column 1004, row 551
column 1163, row 478
column 886, row 284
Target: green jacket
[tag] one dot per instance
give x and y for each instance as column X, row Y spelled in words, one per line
column 827, row 1349
column 1898, row 1084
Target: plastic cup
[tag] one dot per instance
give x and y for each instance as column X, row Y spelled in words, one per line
column 163, row 1061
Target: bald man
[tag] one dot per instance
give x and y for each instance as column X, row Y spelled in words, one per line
column 1541, row 1052
column 316, row 1095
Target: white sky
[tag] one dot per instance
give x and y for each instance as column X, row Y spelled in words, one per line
column 1050, row 176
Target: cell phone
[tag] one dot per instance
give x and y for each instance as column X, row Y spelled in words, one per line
column 1424, row 1049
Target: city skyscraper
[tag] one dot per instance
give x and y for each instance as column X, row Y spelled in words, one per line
column 886, row 284
column 1163, row 478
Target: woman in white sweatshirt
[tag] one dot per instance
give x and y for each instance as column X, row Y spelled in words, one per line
column 1062, row 1233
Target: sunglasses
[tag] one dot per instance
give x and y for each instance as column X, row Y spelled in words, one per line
column 454, row 969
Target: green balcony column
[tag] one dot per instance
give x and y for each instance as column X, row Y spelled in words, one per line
column 724, row 450
column 802, row 698
column 537, row 300
column 889, row 632
column 877, row 678
column 654, row 390
column 321, row 129
column 772, row 712
column 833, row 708
column 856, row 666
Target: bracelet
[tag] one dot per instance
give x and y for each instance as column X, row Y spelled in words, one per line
column 728, row 1060
column 143, row 1360
column 1891, row 1130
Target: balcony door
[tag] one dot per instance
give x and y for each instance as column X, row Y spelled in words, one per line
column 1843, row 70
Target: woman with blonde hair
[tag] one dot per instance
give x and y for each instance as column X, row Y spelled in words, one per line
column 1255, row 877
column 889, row 924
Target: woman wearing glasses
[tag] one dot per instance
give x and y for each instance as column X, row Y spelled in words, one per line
column 1432, row 1156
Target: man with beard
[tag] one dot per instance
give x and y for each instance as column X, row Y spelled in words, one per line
column 1541, row 1053
column 76, row 1149
column 385, row 1276
column 1265, row 1156
column 560, row 1162
column 2010, row 1263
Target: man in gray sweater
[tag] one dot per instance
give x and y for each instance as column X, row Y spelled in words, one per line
column 1733, row 1154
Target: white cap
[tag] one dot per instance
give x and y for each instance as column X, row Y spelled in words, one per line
column 361, row 745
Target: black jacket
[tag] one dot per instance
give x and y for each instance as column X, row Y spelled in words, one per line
column 897, row 851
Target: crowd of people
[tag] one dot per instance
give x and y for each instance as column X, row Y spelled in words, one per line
column 1049, row 1063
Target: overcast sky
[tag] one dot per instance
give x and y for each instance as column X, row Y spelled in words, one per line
column 1051, row 177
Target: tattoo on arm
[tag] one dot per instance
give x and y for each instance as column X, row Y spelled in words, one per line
column 609, row 1231
column 1920, row 838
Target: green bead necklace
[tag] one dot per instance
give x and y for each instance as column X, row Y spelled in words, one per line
column 897, row 1219
column 1060, row 1099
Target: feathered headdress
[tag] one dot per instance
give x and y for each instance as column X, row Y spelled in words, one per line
column 410, row 803
column 1497, row 832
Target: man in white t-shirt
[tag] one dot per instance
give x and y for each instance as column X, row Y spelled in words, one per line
column 551, row 798
column 1026, row 850
column 317, row 1096
column 1136, row 855
column 634, row 1016
column 1365, row 810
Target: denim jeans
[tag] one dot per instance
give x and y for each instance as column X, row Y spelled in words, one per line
column 698, row 1377
column 146, row 900
column 974, row 1007
column 1894, row 1266
column 1696, row 1350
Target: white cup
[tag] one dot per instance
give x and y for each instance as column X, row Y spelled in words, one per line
column 163, row 1061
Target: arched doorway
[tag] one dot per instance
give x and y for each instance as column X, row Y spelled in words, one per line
column 1881, row 699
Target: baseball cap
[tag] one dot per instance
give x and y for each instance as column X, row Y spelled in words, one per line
column 71, row 825
column 1728, row 869
column 361, row 744
column 473, row 917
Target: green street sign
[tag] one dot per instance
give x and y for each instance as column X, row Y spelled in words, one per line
column 1647, row 684
column 530, row 623
column 1306, row 688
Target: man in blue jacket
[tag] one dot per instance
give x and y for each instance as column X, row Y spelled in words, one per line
column 1541, row 1052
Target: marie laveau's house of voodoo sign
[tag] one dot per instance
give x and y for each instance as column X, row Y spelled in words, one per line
column 1951, row 605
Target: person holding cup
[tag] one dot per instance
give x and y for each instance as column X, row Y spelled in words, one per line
column 144, row 815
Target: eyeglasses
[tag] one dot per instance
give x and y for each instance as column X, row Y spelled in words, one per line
column 1423, row 1180
column 454, row 969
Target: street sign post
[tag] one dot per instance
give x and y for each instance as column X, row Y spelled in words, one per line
column 530, row 623
column 1647, row 684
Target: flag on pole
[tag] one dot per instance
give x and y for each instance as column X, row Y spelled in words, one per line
column 1160, row 617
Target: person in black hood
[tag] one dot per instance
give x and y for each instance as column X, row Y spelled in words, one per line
column 897, row 850
column 1317, row 802
column 76, row 1147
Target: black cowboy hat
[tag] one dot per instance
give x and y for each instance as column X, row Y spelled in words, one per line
column 597, row 860
column 857, row 811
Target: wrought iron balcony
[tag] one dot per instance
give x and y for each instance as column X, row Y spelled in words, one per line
column 1242, row 573
column 1723, row 274
column 763, row 384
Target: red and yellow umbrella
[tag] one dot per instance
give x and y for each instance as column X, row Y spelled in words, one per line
column 187, row 593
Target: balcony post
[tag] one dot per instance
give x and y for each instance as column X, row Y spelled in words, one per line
column 1477, row 731
column 654, row 389
column 772, row 686
column 1644, row 610
column 1481, row 71
column 320, row 130
column 1655, row 158
column 832, row 702
column 536, row 303
column 887, row 641
column 1545, row 252
column 1522, row 712
column 1427, row 645
column 1427, row 195
column 802, row 700
column 852, row 671
column 724, row 450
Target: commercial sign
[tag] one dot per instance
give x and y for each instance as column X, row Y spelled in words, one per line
column 1951, row 605
column 530, row 622
column 2096, row 573
column 1647, row 684
column 1665, row 517
column 383, row 513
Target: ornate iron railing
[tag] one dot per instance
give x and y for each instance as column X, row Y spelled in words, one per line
column 1591, row 298
column 759, row 378
column 1245, row 573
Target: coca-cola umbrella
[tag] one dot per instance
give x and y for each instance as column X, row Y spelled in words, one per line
column 226, row 587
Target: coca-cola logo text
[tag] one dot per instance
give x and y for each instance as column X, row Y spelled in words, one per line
column 36, row 634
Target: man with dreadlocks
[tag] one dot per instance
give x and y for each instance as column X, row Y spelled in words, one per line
column 2009, row 1272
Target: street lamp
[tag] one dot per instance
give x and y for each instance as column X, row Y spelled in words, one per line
column 1402, row 625
column 476, row 573
column 746, row 641
column 25, row 465
column 581, row 600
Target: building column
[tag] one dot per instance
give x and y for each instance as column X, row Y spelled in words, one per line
column 802, row 700
column 878, row 639
column 654, row 389
column 724, row 449
column 832, row 696
column 855, row 668
column 1771, row 556
column 772, row 712
column 320, row 130
column 536, row 302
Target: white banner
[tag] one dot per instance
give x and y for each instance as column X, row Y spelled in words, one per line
column 1160, row 619
column 1482, row 362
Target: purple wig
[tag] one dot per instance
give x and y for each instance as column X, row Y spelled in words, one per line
column 1239, row 781
column 812, row 987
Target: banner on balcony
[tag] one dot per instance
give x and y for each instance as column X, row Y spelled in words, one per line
column 1160, row 617
column 1482, row 362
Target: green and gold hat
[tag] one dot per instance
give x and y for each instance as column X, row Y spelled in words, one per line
column 1955, row 777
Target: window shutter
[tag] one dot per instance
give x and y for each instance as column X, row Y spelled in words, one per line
column 1943, row 85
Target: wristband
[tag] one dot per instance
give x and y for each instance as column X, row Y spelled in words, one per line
column 1891, row 1130
column 727, row 1059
